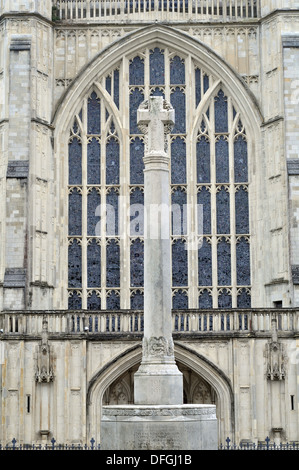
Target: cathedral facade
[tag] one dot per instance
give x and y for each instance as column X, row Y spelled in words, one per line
column 72, row 76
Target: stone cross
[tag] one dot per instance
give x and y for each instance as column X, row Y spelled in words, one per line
column 158, row 381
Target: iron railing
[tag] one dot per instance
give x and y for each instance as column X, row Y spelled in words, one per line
column 229, row 445
column 112, row 11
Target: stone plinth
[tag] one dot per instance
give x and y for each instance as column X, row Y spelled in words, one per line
column 174, row 427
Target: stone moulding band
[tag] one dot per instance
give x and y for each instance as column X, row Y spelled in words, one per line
column 208, row 411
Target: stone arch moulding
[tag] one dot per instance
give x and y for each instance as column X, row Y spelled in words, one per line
column 164, row 36
column 186, row 356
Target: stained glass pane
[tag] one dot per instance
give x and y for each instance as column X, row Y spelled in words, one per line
column 242, row 210
column 108, row 84
column 75, row 264
column 94, row 162
column 94, row 115
column 93, row 212
column 137, row 212
column 206, row 83
column 112, row 161
column 179, row 212
column 137, row 263
column 243, row 262
column 113, row 301
column 93, row 264
column 112, row 212
column 75, row 212
column 244, row 299
column 203, row 160
column 177, row 99
column 136, row 161
column 222, row 161
column 116, row 87
column 221, row 117
column 74, row 301
column 223, row 211
column 224, row 299
column 75, row 162
column 224, row 263
column 136, row 71
column 179, row 263
column 240, row 160
column 178, row 161
column 136, row 98
column 204, row 198
column 177, row 71
column 113, row 264
column 205, row 300
column 157, row 71
column 197, row 86
column 205, row 264
column 137, row 301
column 93, row 302
column 180, row 300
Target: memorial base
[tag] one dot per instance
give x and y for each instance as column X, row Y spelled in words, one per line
column 159, row 427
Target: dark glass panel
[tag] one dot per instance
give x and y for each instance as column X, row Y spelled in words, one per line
column 179, row 212
column 75, row 212
column 136, row 98
column 94, row 115
column 178, row 161
column 75, row 264
column 136, row 161
column 204, row 199
column 224, row 262
column 137, row 212
column 93, row 302
column 136, row 71
column 116, row 87
column 112, row 161
column 94, row 162
column 222, row 160
column 137, row 301
column 203, row 160
column 180, row 300
column 243, row 262
column 137, row 263
column 240, row 160
column 177, row 71
column 74, row 301
column 179, row 263
column 113, row 264
column 75, row 162
column 197, row 86
column 221, row 117
column 205, row 300
column 205, row 264
column 223, row 211
column 244, row 299
column 157, row 70
column 113, row 301
column 93, row 212
column 93, row 264
column 242, row 210
column 177, row 99
column 224, row 299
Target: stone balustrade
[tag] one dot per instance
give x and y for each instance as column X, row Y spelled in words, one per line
column 184, row 322
column 152, row 10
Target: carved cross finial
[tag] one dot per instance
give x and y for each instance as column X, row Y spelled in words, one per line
column 155, row 118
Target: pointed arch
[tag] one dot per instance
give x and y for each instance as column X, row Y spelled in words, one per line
column 185, row 355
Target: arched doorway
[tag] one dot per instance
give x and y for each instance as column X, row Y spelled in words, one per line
column 203, row 383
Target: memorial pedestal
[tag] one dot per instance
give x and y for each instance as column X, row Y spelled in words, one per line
column 174, row 427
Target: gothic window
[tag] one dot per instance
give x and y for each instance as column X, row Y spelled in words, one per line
column 209, row 190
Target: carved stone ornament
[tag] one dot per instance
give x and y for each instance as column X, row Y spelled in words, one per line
column 275, row 361
column 44, row 371
column 158, row 347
